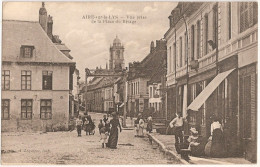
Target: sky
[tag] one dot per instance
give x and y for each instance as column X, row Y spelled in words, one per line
column 89, row 42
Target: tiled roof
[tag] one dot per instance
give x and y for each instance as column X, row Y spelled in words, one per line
column 17, row 33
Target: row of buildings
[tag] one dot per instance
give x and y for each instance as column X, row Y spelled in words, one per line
column 137, row 89
column 40, row 82
column 205, row 66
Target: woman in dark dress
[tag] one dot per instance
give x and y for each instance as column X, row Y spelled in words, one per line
column 217, row 148
column 113, row 137
column 89, row 125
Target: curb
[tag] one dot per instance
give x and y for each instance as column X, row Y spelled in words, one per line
column 167, row 151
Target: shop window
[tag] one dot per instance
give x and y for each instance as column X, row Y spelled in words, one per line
column 46, row 109
column 47, row 80
column 5, row 108
column 5, row 80
column 26, row 80
column 26, row 107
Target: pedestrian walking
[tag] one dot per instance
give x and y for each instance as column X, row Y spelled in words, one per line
column 177, row 123
column 113, row 137
column 141, row 126
column 149, row 127
column 100, row 125
column 79, row 125
column 136, row 125
column 104, row 136
column 105, row 119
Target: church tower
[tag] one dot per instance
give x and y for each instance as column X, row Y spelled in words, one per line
column 116, row 60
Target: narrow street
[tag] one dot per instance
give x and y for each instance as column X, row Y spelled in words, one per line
column 67, row 148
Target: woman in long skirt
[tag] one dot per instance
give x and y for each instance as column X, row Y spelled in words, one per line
column 113, row 137
column 217, row 147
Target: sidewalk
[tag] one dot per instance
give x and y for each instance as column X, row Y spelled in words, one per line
column 166, row 143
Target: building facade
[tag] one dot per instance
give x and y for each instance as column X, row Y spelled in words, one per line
column 139, row 76
column 33, row 68
column 211, row 70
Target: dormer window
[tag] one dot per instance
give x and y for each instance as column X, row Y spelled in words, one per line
column 26, row 51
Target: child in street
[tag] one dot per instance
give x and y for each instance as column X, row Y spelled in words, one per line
column 79, row 125
column 100, row 125
column 103, row 136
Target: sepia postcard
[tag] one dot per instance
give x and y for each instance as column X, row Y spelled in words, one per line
column 129, row 83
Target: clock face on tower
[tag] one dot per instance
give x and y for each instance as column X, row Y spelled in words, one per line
column 118, row 54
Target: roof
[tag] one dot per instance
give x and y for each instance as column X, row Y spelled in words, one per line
column 17, row 33
column 62, row 47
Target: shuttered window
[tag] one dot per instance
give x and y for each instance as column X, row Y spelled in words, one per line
column 248, row 15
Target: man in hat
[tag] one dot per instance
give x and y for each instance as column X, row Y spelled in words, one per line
column 177, row 123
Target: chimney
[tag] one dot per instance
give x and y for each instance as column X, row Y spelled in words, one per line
column 171, row 20
column 152, row 47
column 49, row 27
column 43, row 17
column 161, row 44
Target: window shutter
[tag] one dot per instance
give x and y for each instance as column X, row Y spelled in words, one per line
column 250, row 14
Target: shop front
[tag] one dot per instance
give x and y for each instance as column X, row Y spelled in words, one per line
column 216, row 94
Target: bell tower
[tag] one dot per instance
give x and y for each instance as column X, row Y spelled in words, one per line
column 116, row 60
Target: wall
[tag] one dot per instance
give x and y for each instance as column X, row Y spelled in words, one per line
column 59, row 96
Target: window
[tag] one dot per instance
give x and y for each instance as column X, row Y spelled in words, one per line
column 174, row 57
column 248, row 15
column 27, row 51
column 5, row 108
column 47, row 80
column 185, row 49
column 151, row 92
column 5, row 80
column 26, row 108
column 215, row 24
column 198, row 40
column 46, row 109
column 180, row 59
column 192, row 42
column 229, row 20
column 170, row 60
column 206, row 31
column 26, row 80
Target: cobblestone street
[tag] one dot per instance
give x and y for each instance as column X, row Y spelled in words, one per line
column 67, row 148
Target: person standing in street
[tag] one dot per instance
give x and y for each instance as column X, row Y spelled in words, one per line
column 105, row 119
column 141, row 126
column 100, row 125
column 177, row 123
column 149, row 124
column 79, row 125
column 136, row 122
column 113, row 137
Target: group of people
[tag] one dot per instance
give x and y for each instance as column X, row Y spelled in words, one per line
column 214, row 147
column 108, row 131
column 85, row 123
column 139, row 125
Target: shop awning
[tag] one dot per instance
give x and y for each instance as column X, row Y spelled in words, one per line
column 121, row 105
column 204, row 95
